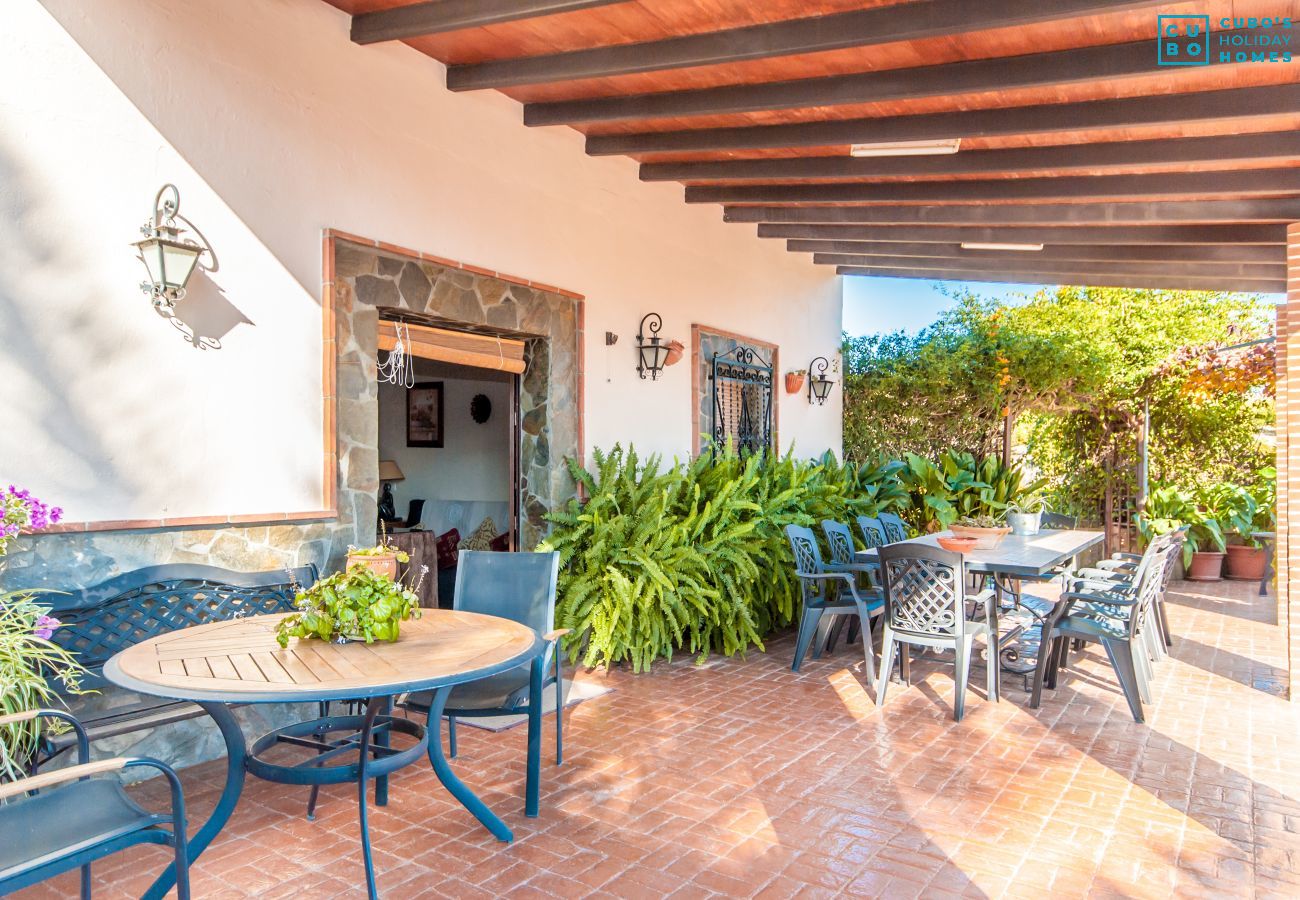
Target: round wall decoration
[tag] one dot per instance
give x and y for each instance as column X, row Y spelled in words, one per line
column 480, row 408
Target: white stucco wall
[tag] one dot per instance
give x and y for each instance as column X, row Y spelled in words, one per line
column 275, row 126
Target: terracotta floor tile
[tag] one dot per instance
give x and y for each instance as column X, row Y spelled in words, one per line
column 744, row 779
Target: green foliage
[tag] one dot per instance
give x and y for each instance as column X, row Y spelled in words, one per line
column 28, row 664
column 358, row 603
column 694, row 556
column 1071, row 367
column 959, row 485
column 660, row 558
column 1169, row 508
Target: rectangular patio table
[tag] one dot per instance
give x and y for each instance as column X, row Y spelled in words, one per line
column 1016, row 557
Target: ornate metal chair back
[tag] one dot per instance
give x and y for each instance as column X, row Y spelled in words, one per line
column 873, row 533
column 895, row 530
column 808, row 561
column 840, row 540
column 925, row 592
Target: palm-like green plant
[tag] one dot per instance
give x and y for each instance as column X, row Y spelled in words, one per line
column 960, row 485
column 1168, row 508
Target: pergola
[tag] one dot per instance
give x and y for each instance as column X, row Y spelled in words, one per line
column 1049, row 130
column 1069, row 132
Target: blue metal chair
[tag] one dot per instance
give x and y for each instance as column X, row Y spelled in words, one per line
column 823, row 592
column 926, row 605
column 519, row 587
column 873, row 533
column 61, row 826
column 895, row 528
column 843, row 559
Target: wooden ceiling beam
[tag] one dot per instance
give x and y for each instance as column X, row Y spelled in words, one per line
column 1074, row 267
column 1171, row 283
column 437, row 16
column 1163, row 235
column 1167, row 212
column 1226, row 149
column 1160, row 253
column 815, row 34
column 1076, row 66
column 1044, row 118
column 1242, row 183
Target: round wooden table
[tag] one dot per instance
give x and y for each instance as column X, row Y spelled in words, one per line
column 237, row 662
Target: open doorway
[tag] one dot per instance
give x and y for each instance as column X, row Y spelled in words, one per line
column 448, row 460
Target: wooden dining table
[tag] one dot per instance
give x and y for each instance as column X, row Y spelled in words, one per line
column 226, row 664
column 1013, row 558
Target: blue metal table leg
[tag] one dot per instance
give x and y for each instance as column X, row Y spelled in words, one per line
column 532, row 788
column 236, row 754
column 454, row 785
column 373, row 709
column 382, row 740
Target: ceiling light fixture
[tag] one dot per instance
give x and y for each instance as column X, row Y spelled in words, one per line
column 983, row 245
column 907, row 148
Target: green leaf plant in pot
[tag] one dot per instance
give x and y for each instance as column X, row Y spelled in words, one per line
column 1169, row 509
column 1245, row 512
column 1026, row 516
column 357, row 604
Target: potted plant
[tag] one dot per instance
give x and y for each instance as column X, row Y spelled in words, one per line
column 794, row 380
column 1026, row 518
column 357, row 604
column 31, row 664
column 1246, row 513
column 1169, row 509
column 381, row 558
column 985, row 529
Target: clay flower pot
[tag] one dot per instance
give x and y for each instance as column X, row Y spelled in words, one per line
column 793, row 382
column 675, row 351
column 1206, row 567
column 383, row 564
column 985, row 537
column 1246, row 563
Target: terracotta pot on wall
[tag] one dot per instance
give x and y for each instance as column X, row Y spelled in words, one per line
column 675, row 351
column 793, row 382
column 1206, row 567
column 1246, row 563
column 384, row 564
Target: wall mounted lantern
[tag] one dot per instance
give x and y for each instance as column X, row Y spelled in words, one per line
column 169, row 259
column 819, row 386
column 651, row 351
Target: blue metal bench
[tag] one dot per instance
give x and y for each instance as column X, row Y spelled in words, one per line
column 102, row 620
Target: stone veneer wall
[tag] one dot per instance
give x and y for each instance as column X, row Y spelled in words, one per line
column 366, row 280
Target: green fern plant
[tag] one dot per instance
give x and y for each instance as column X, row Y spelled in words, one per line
column 694, row 556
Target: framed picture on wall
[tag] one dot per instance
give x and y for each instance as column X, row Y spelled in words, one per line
column 424, row 415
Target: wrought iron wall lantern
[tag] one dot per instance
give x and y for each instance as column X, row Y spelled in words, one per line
column 651, row 350
column 169, row 258
column 819, row 386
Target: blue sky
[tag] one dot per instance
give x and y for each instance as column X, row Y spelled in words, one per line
column 875, row 305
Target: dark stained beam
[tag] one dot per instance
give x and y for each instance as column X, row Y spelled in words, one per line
column 859, row 28
column 1079, row 66
column 452, row 15
column 1045, row 118
column 1166, row 235
column 1226, row 149
column 1073, row 267
column 1169, row 212
column 1159, row 253
column 1244, row 183
column 1170, row 283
